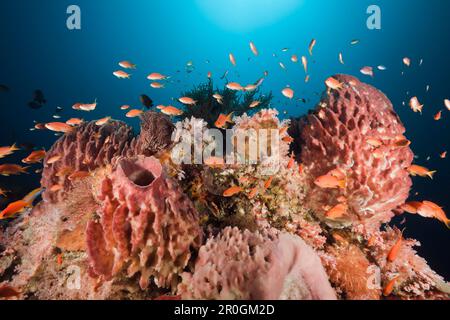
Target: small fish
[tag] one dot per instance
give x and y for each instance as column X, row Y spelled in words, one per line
column 389, row 288
column 121, row 74
column 415, row 105
column 250, row 87
column 447, row 104
column 407, row 61
column 146, row 101
column 254, row 104
column 74, row 121
column 59, row 127
column 87, row 106
column 54, row 159
column 127, row 65
column 187, row 100
column 12, row 169
column 354, row 42
column 34, row 157
column 19, row 206
column 330, row 181
column 438, row 116
column 78, row 175
column 171, row 111
column 305, row 63
column 232, row 191
column 288, row 93
column 56, row 188
column 338, row 211
column 134, row 113
column 311, row 46
column 223, row 119
column 156, row 85
column 334, row 84
column 411, row 207
column 291, row 162
column 124, row 107
column 430, row 209
column 294, row 58
column 368, row 71
column 253, row 48
column 7, row 292
column 381, row 68
column 232, row 59
column 209, row 74
column 393, row 253
column 6, row 151
column 155, row 76
column 420, row 171
column 443, row 155
column 287, row 139
column 40, row 126
column 268, row 183
column 341, row 58
column 102, row 121
column 59, row 259
column 234, row 86
column 284, row 49
column 282, row 66
column 218, row 98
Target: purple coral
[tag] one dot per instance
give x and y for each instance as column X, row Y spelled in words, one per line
column 261, row 265
column 86, row 148
column 146, row 225
column 356, row 130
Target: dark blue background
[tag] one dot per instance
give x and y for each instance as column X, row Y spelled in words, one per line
column 38, row 52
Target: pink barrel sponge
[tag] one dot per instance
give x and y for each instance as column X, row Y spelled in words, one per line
column 261, row 265
column 355, row 130
column 86, row 148
column 146, row 225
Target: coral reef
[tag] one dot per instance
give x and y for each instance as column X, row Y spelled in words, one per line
column 124, row 218
column 259, row 265
column 356, row 130
column 84, row 149
column 146, row 225
column 209, row 108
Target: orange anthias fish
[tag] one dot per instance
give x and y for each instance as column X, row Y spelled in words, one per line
column 12, row 169
column 53, row 159
column 407, row 61
column 254, row 104
column 367, row 71
column 74, row 121
column 415, row 105
column 337, row 211
column 155, row 76
column 253, row 48
column 268, row 183
column 235, row 86
column 311, row 46
column 59, row 127
column 121, row 74
column 88, row 106
column 171, row 111
column 430, row 209
column 6, row 151
column 223, row 119
column 288, row 93
column 294, row 58
column 19, row 206
column 102, row 121
column 334, row 179
column 232, row 191
column 291, row 162
column 438, row 116
column 7, row 291
column 447, row 104
column 134, row 113
column 305, row 63
column 411, row 207
column 127, row 65
column 334, row 84
column 232, row 59
column 443, row 155
column 125, row 107
column 187, row 100
column 393, row 253
column 420, row 171
column 35, row 157
column 78, row 175
column 390, row 286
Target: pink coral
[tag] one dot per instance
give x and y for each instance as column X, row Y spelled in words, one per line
column 356, row 130
column 146, row 224
column 86, row 148
column 261, row 265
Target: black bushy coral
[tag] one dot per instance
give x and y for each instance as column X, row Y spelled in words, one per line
column 208, row 108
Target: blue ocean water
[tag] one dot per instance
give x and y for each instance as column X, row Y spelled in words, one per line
column 69, row 66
